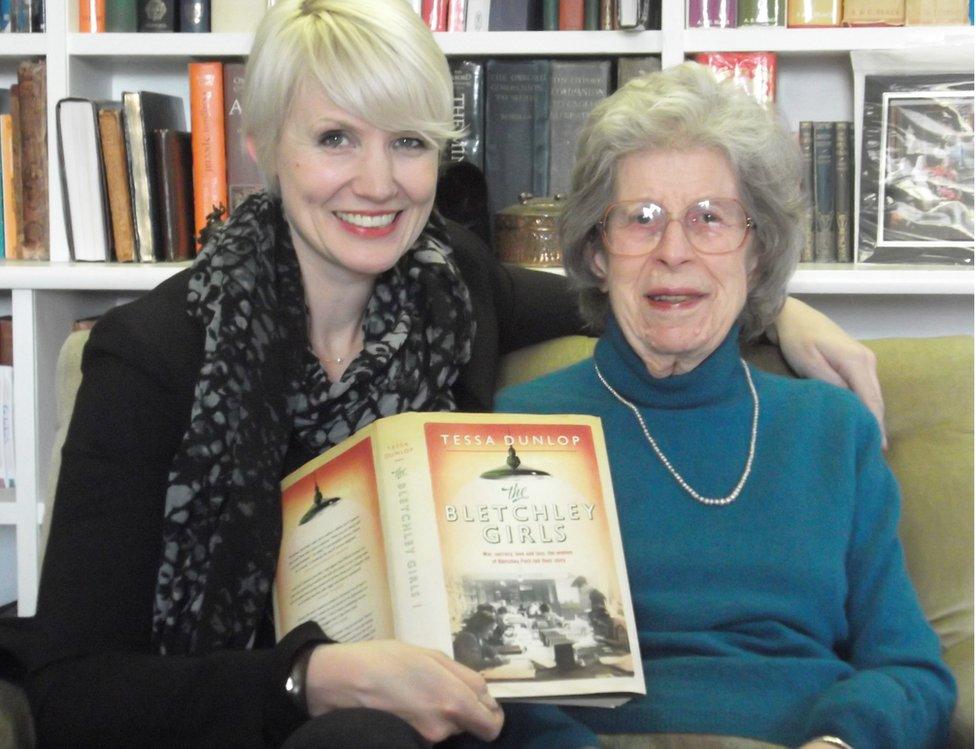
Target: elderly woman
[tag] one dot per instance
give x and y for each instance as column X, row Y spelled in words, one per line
column 759, row 517
column 331, row 299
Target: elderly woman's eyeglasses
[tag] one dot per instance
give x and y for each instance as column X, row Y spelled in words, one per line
column 713, row 226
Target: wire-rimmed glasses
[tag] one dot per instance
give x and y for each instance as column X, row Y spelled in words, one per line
column 713, row 226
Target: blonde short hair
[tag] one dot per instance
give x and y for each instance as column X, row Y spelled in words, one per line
column 376, row 59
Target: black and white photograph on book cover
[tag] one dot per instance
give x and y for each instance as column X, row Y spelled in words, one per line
column 916, row 198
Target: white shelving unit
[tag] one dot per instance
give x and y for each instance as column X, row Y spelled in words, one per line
column 814, row 83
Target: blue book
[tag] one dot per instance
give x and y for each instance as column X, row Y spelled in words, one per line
column 5, row 15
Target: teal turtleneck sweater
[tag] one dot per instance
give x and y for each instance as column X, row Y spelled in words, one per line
column 783, row 616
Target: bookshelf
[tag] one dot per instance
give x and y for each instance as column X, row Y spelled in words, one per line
column 815, row 82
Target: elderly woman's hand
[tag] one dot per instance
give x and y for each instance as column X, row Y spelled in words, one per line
column 816, row 347
column 431, row 692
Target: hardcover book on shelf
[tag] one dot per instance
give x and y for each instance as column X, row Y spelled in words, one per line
column 434, row 13
column 11, row 212
column 805, row 138
column 209, row 148
column 243, row 177
column 91, row 16
column 761, row 13
column 469, row 112
column 477, row 14
column 938, row 12
column 174, row 164
column 516, row 130
column 873, row 13
column 85, row 199
column 633, row 14
column 591, row 15
column 456, row 10
column 571, row 15
column 121, row 16
column 116, row 166
column 575, row 87
column 157, row 16
column 608, row 15
column 32, row 102
column 843, row 190
column 719, row 14
column 813, row 13
column 515, row 15
column 27, row 16
column 424, row 526
column 753, row 72
column 632, row 66
column 550, row 15
column 143, row 112
column 824, row 190
column 194, row 16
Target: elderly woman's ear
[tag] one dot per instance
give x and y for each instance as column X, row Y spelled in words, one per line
column 597, row 259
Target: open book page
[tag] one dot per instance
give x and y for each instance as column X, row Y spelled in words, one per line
column 332, row 564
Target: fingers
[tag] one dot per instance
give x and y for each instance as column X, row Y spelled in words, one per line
column 860, row 374
column 478, row 712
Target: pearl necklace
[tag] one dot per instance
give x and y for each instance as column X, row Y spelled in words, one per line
column 714, row 501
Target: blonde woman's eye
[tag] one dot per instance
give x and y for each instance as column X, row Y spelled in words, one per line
column 411, row 143
column 333, row 139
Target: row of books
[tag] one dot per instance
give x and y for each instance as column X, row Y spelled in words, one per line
column 24, row 229
column 819, row 13
column 539, row 15
column 7, row 456
column 828, row 178
column 140, row 186
column 22, row 16
column 167, row 16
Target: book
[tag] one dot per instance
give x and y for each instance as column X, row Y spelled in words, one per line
column 633, row 14
column 720, row 14
column 156, row 16
column 515, row 15
column 85, row 198
column 7, row 456
column 420, row 524
column 32, row 102
column 824, row 173
column 608, row 15
column 591, row 15
column 575, row 87
column 143, row 112
column 11, row 214
column 631, row 67
column 477, row 14
column 844, row 190
column 121, row 16
column 238, row 16
column 805, row 137
column 873, row 13
column 761, row 13
column 243, row 177
column 456, row 10
column 174, row 165
column 209, row 149
column 14, row 219
column 940, row 12
column 469, row 112
column 571, row 15
column 116, row 167
column 194, row 16
column 813, row 13
column 516, row 130
column 6, row 340
column 434, row 13
column 91, row 16
column 27, row 16
column 550, row 15
column 752, row 72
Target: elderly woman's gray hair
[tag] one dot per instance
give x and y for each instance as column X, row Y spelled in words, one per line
column 684, row 108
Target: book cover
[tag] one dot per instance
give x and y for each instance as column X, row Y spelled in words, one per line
column 456, row 10
column 121, row 16
column 11, row 214
column 843, row 190
column 243, row 177
column 516, row 130
column 824, row 226
column 434, row 13
column 805, row 137
column 575, row 87
column 156, row 16
column 421, row 523
column 469, row 112
column 591, row 15
column 194, row 16
column 27, row 16
column 237, row 16
column 116, row 167
column 752, row 72
column 174, row 164
column 85, row 199
column 91, row 16
column 813, row 13
column 143, row 112
column 515, row 15
column 631, row 67
column 873, row 13
column 32, row 96
column 209, row 149
column 477, row 14
column 572, row 15
column 718, row 14
column 761, row 13
column 939, row 12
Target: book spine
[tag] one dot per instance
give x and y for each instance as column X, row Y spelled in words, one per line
column 806, row 154
column 455, row 15
column 10, row 213
column 550, row 15
column 121, row 16
column 720, row 14
column 140, row 177
column 824, row 227
column 236, row 16
column 6, row 340
column 752, row 72
column 5, row 16
column 572, row 15
column 940, row 12
column 209, row 150
column 173, row 165
column 2, row 189
column 27, row 16
column 591, row 15
column 477, row 14
column 32, row 82
column 873, row 13
column 243, row 177
column 16, row 220
column 813, row 13
column 575, row 88
column 434, row 13
column 195, row 16
column 515, row 15
column 157, row 16
column 762, row 13
column 117, row 183
column 631, row 67
column 843, row 132
column 91, row 16
column 608, row 15
column 469, row 112
column 516, row 130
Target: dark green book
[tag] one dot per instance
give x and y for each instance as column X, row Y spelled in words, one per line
column 824, row 194
column 575, row 87
column 120, row 16
column 806, row 152
column 550, row 15
column 591, row 15
column 843, row 190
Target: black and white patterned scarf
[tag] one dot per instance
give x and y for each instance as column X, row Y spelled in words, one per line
column 261, row 388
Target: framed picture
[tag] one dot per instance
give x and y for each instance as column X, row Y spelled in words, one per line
column 916, row 196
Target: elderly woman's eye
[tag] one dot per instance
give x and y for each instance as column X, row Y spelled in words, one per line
column 333, row 139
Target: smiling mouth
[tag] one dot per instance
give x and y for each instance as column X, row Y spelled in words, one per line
column 367, row 220
column 671, row 298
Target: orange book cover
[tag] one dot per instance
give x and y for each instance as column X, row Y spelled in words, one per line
column 11, row 216
column 571, row 15
column 207, row 142
column 431, row 527
column 91, row 15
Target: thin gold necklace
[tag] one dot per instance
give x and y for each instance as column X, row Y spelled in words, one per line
column 713, row 501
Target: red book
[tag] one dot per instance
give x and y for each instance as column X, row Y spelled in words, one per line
column 571, row 15
column 208, row 142
column 455, row 15
column 91, row 15
column 753, row 72
column 434, row 13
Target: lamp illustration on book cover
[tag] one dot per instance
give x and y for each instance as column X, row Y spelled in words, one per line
column 319, row 503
